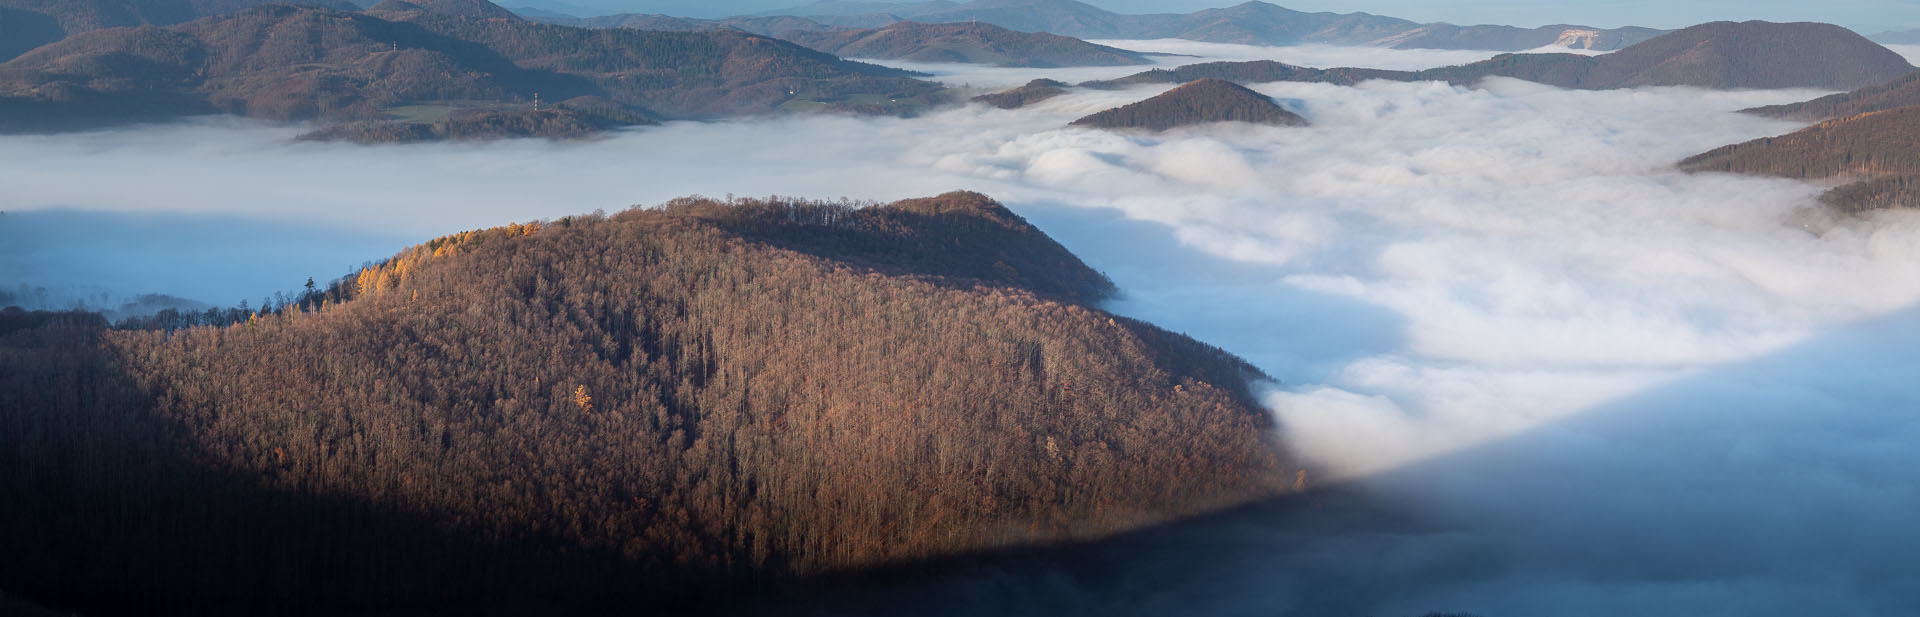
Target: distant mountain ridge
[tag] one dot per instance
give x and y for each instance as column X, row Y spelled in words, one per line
column 1898, row 37
column 976, row 43
column 26, row 24
column 1255, row 22
column 1722, row 55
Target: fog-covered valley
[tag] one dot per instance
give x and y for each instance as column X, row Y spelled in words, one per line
column 1577, row 381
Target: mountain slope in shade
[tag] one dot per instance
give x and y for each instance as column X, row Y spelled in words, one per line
column 1880, row 149
column 974, row 43
column 1722, row 55
column 633, row 412
column 1891, row 95
column 1202, row 101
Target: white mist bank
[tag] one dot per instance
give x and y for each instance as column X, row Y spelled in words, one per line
column 1486, row 304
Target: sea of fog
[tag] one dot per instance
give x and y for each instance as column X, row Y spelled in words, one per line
column 1602, row 387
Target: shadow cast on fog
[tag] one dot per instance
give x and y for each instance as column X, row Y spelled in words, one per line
column 1299, row 336
column 1781, row 485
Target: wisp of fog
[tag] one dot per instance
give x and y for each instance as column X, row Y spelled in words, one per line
column 1604, row 387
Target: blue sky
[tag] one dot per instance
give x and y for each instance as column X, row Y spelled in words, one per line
column 1867, row 15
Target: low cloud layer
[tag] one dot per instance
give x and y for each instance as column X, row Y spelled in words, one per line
column 1603, row 387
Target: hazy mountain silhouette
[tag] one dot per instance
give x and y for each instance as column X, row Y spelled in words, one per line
column 1722, row 55
column 1257, row 23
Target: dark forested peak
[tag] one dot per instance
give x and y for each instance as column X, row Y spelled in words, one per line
column 1033, row 92
column 1753, row 54
column 1198, row 102
column 964, row 204
column 960, row 237
column 1879, row 150
column 1900, row 92
column 477, row 9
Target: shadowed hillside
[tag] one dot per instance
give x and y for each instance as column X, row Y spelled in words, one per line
column 1880, row 149
column 1722, row 55
column 1200, row 102
column 652, row 410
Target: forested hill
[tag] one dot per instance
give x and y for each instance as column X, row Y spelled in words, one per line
column 1199, row 102
column 1721, row 55
column 637, row 413
column 294, row 63
column 1879, row 151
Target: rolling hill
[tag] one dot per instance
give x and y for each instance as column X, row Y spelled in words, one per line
column 1202, row 101
column 295, row 63
column 649, row 412
column 26, row 24
column 1879, row 152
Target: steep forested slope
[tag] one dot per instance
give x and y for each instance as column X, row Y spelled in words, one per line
column 632, row 412
column 1880, row 149
column 1894, row 94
